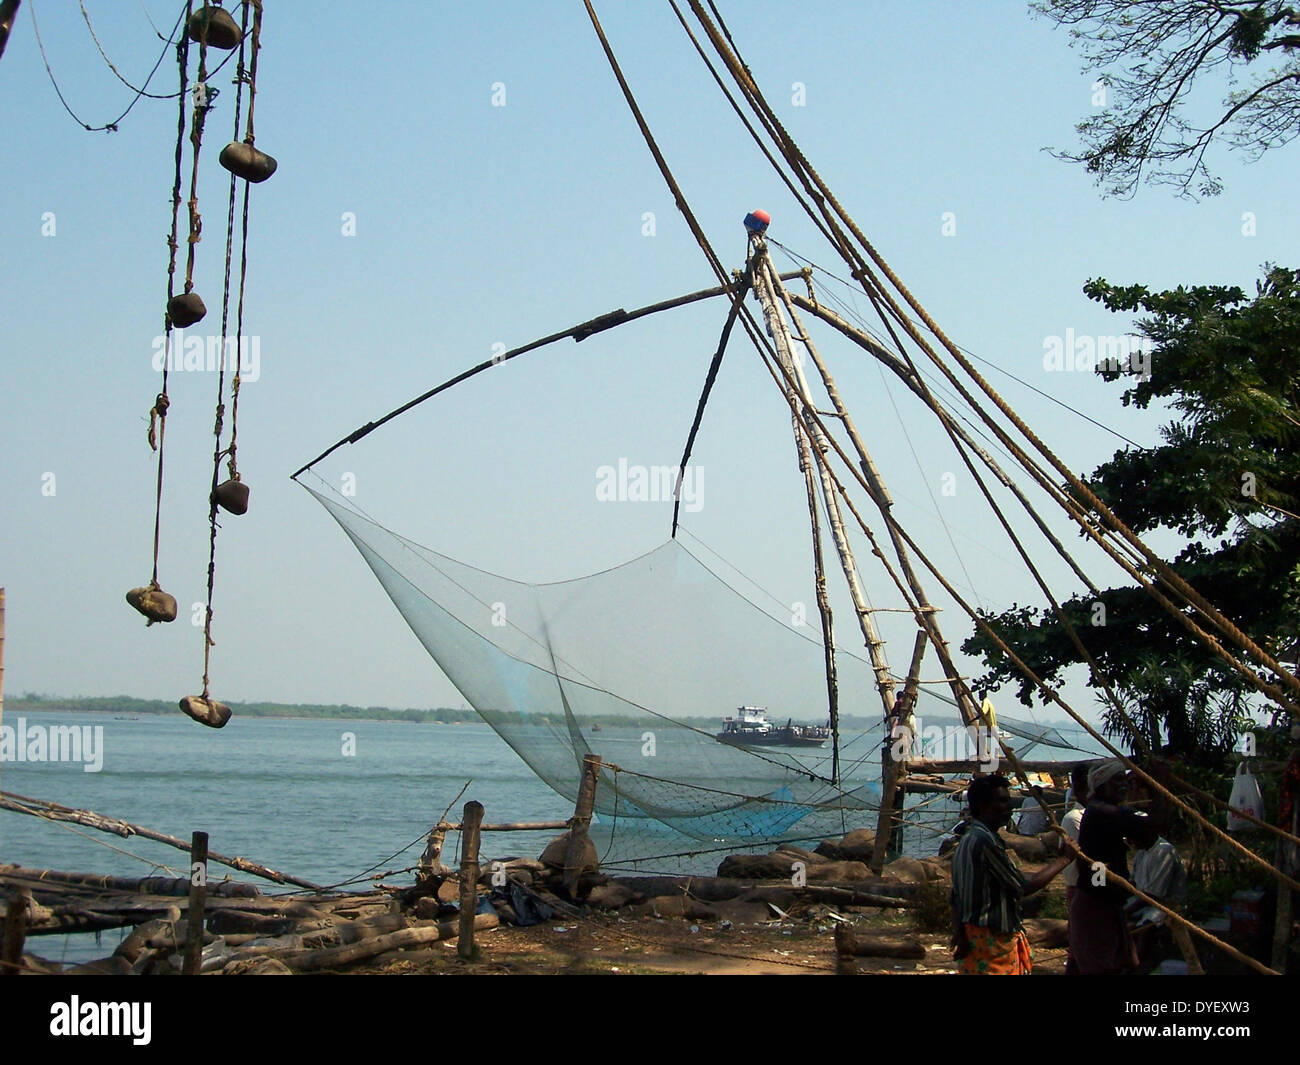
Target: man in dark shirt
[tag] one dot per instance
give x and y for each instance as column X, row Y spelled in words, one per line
column 987, row 888
column 1100, row 942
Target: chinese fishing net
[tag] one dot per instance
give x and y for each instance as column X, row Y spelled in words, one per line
column 639, row 664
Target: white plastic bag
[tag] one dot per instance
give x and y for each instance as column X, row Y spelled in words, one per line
column 1245, row 796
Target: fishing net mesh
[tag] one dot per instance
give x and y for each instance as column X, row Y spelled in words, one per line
column 638, row 664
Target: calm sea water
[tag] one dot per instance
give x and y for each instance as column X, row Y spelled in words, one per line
column 283, row 792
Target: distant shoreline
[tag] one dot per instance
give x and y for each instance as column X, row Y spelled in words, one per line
column 125, row 705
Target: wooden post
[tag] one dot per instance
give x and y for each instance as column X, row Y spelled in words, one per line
column 573, row 858
column 15, row 933
column 889, row 823
column 469, row 839
column 198, row 899
column 430, row 864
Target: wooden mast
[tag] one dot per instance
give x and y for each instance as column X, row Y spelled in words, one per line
column 798, row 390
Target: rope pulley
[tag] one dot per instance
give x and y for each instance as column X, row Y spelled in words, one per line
column 245, row 161
column 216, row 24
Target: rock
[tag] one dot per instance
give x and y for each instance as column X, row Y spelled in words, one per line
column 838, row 872
column 1027, row 848
column 1048, row 932
column 553, row 857
column 448, row 891
column 775, row 866
column 611, row 896
column 936, row 869
column 857, row 846
column 799, row 854
column 908, row 870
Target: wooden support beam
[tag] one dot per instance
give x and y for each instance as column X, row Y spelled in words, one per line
column 574, row 857
column 15, row 933
column 473, row 817
column 198, row 895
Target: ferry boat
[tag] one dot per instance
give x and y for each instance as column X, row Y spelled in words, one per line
column 751, row 728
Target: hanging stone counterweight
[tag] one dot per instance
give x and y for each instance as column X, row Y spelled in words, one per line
column 153, row 603
column 206, row 711
column 186, row 309
column 247, row 162
column 232, row 496
column 222, row 31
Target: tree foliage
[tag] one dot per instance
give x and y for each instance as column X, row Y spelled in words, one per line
column 1151, row 54
column 1226, row 478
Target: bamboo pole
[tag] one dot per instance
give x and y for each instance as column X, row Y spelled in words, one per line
column 880, row 496
column 198, row 895
column 800, row 393
column 573, row 858
column 469, row 876
column 823, row 602
column 53, row 811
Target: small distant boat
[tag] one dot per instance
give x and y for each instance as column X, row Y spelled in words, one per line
column 120, row 717
column 751, row 728
column 597, row 727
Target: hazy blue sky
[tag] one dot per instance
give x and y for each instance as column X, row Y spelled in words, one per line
column 478, row 225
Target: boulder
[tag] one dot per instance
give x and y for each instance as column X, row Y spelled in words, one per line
column 857, row 846
column 907, row 870
column 799, row 854
column 838, row 872
column 611, row 896
column 775, row 866
column 553, row 857
column 1027, row 848
column 1048, row 932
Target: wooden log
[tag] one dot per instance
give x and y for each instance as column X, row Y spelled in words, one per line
column 430, row 864
column 574, row 859
column 969, row 765
column 507, row 826
column 148, row 885
column 15, row 934
column 333, row 957
column 22, row 804
column 150, row 934
column 857, row 943
column 198, row 894
column 469, row 876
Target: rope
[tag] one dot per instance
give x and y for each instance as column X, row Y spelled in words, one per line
column 208, row 642
column 158, row 413
column 1020, row 665
column 107, row 127
column 141, row 91
column 810, row 177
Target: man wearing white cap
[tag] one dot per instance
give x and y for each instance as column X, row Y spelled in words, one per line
column 1100, row 942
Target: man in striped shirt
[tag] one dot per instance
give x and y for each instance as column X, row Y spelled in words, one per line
column 987, row 888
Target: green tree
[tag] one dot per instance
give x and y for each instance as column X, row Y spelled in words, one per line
column 1225, row 478
column 1150, row 56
